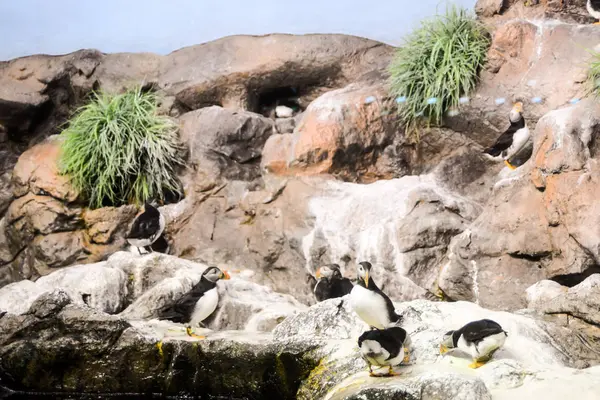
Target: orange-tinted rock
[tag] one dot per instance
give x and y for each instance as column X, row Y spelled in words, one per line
column 107, row 224
column 37, row 172
column 344, row 133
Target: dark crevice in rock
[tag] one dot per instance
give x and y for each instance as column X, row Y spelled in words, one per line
column 16, row 255
column 571, row 280
column 535, row 257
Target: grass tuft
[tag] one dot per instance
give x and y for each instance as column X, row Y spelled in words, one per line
column 594, row 74
column 118, row 150
column 441, row 60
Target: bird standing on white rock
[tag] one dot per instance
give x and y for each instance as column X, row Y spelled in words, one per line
column 370, row 303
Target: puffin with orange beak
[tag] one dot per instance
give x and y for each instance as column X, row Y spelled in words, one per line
column 197, row 304
column 331, row 284
column 514, row 139
column 370, row 303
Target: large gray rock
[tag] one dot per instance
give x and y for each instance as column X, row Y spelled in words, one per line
column 225, row 143
column 137, row 287
column 61, row 346
column 581, row 301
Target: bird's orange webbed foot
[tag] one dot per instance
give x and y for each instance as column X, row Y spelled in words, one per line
column 191, row 333
column 509, row 165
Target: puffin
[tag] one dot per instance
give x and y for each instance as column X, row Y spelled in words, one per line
column 384, row 348
column 514, row 139
column 197, row 304
column 146, row 228
column 331, row 283
column 370, row 303
column 593, row 7
column 481, row 339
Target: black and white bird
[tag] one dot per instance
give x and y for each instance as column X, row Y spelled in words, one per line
column 370, row 303
column 197, row 304
column 593, row 7
column 481, row 339
column 146, row 228
column 331, row 283
column 384, row 348
column 514, row 139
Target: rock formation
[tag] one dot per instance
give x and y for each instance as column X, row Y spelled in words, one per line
column 270, row 197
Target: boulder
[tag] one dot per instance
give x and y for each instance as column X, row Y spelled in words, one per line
column 342, row 133
column 249, row 228
column 225, row 143
column 137, row 287
column 47, row 226
column 541, row 221
column 245, row 72
column 580, row 301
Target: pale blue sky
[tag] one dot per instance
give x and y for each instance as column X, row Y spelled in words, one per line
column 161, row 26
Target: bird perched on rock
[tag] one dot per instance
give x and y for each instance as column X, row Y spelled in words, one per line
column 331, row 283
column 384, row 348
column 197, row 304
column 481, row 339
column 146, row 228
column 593, row 7
column 370, row 303
column 514, row 139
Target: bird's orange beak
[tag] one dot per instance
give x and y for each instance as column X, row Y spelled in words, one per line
column 518, row 106
column 367, row 278
column 318, row 273
column 225, row 275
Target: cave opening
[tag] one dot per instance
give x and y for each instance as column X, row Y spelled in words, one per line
column 267, row 100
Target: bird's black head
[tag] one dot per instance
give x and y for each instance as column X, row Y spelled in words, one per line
column 213, row 274
column 330, row 271
column 363, row 271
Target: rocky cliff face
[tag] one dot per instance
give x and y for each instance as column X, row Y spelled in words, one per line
column 273, row 198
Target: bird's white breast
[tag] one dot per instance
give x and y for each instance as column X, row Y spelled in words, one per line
column 369, row 306
column 520, row 138
column 161, row 228
column 205, row 306
column 283, row 112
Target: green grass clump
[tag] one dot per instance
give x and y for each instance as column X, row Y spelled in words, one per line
column 594, row 74
column 441, row 60
column 118, row 150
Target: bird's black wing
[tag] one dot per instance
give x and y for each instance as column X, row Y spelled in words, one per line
column 322, row 290
column 595, row 5
column 181, row 310
column 388, row 304
column 344, row 286
column 391, row 339
column 476, row 331
column 144, row 227
column 505, row 140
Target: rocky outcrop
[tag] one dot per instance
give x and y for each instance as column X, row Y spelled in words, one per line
column 541, row 223
column 137, row 287
column 46, row 228
column 50, row 348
